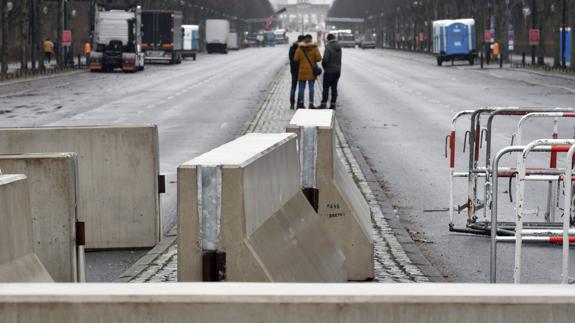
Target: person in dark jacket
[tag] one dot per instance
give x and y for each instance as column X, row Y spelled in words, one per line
column 332, row 66
column 294, row 68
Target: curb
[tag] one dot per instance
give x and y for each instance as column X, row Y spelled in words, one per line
column 38, row 77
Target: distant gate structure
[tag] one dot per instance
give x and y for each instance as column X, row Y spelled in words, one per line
column 345, row 23
column 304, row 15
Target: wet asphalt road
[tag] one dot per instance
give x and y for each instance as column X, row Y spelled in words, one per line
column 397, row 108
column 196, row 105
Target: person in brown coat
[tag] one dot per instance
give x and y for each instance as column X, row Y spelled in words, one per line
column 307, row 55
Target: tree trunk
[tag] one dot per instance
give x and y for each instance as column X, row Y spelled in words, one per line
column 39, row 35
column 4, row 40
column 24, row 24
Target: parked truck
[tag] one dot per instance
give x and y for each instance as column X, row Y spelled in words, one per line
column 162, row 36
column 190, row 41
column 217, row 33
column 117, row 40
column 454, row 40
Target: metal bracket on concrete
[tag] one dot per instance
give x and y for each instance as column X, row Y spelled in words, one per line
column 161, row 184
column 308, row 160
column 213, row 266
column 209, row 205
column 209, row 183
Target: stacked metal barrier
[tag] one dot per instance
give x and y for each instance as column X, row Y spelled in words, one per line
column 517, row 231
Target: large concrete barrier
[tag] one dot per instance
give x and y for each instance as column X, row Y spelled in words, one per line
column 242, row 217
column 286, row 303
column 52, row 181
column 18, row 262
column 118, row 177
column 341, row 206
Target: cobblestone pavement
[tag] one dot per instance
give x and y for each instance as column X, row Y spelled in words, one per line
column 391, row 262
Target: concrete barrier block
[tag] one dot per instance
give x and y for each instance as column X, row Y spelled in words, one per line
column 118, row 178
column 244, row 199
column 52, row 180
column 342, row 208
column 286, row 303
column 18, row 262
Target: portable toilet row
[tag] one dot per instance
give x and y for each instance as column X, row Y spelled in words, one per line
column 454, row 40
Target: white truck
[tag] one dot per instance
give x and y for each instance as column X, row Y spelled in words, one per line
column 217, row 33
column 117, row 40
column 233, row 41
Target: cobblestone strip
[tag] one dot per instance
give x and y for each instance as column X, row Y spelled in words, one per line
column 392, row 263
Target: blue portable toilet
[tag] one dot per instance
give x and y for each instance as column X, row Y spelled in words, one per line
column 454, row 40
column 196, row 38
column 190, row 40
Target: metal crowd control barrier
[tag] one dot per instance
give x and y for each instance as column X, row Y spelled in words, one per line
column 551, row 196
column 507, row 233
column 547, row 231
column 557, row 145
column 513, row 111
column 475, row 135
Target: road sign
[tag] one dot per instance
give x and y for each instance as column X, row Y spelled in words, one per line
column 511, row 42
column 487, row 35
column 533, row 37
column 67, row 38
column 421, row 36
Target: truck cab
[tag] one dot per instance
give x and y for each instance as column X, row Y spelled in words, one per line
column 117, row 40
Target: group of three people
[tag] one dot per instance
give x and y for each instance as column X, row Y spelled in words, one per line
column 304, row 56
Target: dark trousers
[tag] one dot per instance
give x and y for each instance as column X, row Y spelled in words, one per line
column 330, row 81
column 293, row 88
column 48, row 57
